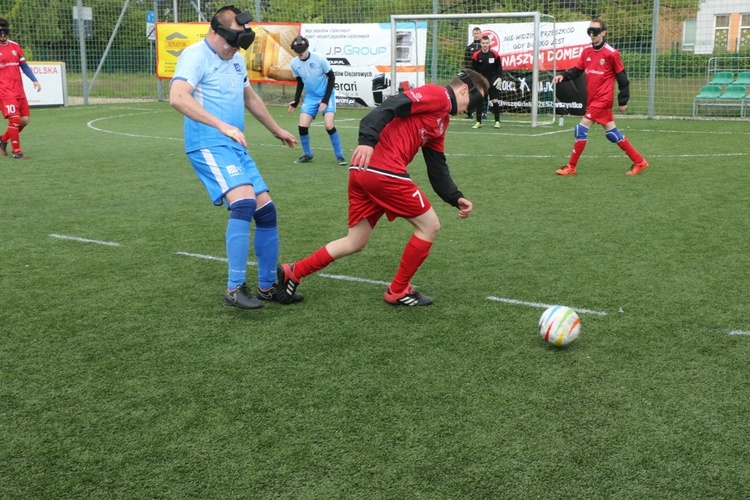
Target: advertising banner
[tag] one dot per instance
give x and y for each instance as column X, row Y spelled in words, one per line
column 560, row 47
column 359, row 54
column 54, row 82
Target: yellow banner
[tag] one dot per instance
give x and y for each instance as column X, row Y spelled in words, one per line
column 267, row 59
column 171, row 40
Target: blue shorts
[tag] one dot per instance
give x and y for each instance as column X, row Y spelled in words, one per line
column 310, row 106
column 223, row 168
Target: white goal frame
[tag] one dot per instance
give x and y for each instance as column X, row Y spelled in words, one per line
column 536, row 16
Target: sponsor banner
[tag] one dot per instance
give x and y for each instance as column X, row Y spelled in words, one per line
column 54, row 82
column 171, row 40
column 561, row 46
column 360, row 56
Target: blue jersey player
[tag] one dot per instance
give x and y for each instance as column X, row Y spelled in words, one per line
column 314, row 74
column 211, row 88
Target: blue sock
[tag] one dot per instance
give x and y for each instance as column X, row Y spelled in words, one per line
column 336, row 142
column 304, row 140
column 266, row 244
column 238, row 240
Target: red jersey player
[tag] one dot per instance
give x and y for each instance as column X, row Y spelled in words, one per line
column 389, row 138
column 602, row 65
column 12, row 96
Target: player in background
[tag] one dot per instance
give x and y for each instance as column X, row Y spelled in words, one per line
column 487, row 63
column 475, row 45
column 389, row 138
column 602, row 65
column 210, row 87
column 12, row 96
column 314, row 74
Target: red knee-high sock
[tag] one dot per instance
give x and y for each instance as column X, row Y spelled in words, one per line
column 578, row 148
column 634, row 155
column 312, row 263
column 415, row 253
column 14, row 124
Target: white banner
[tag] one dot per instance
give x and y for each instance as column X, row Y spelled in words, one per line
column 360, row 56
column 515, row 43
column 52, row 78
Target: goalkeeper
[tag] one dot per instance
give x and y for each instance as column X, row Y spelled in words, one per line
column 487, row 63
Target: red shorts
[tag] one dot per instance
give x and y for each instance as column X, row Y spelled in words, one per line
column 373, row 193
column 601, row 116
column 14, row 107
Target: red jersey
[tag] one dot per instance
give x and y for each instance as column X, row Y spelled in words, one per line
column 424, row 126
column 11, row 57
column 600, row 65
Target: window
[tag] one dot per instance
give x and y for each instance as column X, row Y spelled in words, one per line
column 743, row 41
column 721, row 33
column 688, row 34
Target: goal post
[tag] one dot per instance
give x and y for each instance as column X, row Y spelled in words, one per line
column 525, row 41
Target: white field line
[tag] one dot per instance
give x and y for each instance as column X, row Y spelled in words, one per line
column 84, row 240
column 91, row 126
column 544, row 306
column 208, row 257
column 736, row 332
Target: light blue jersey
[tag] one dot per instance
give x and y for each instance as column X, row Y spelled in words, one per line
column 218, row 86
column 313, row 73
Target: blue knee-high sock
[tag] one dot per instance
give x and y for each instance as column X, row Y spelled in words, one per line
column 238, row 240
column 336, row 142
column 304, row 140
column 266, row 244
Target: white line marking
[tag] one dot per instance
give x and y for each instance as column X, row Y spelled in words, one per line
column 737, row 332
column 91, row 126
column 208, row 257
column 544, row 306
column 352, row 278
column 84, row 240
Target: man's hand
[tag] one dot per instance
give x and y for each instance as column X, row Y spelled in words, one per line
column 464, row 208
column 322, row 107
column 233, row 133
column 623, row 107
column 557, row 79
column 292, row 105
column 286, row 137
column 362, row 156
column 38, row 86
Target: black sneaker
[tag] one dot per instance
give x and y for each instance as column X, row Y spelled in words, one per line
column 410, row 297
column 273, row 293
column 342, row 160
column 4, row 148
column 287, row 282
column 304, row 159
column 19, row 155
column 242, row 298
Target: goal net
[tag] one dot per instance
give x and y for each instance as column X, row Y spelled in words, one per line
column 526, row 42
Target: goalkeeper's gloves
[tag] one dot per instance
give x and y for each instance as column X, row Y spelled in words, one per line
column 498, row 84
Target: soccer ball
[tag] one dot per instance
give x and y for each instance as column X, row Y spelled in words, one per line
column 559, row 325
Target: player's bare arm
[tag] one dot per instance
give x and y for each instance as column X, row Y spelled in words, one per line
column 258, row 109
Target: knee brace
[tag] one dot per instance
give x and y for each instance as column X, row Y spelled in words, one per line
column 243, row 209
column 580, row 132
column 265, row 216
column 304, row 130
column 332, row 131
column 614, row 135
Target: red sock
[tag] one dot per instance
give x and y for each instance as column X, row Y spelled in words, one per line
column 415, row 253
column 312, row 263
column 14, row 123
column 634, row 155
column 578, row 148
